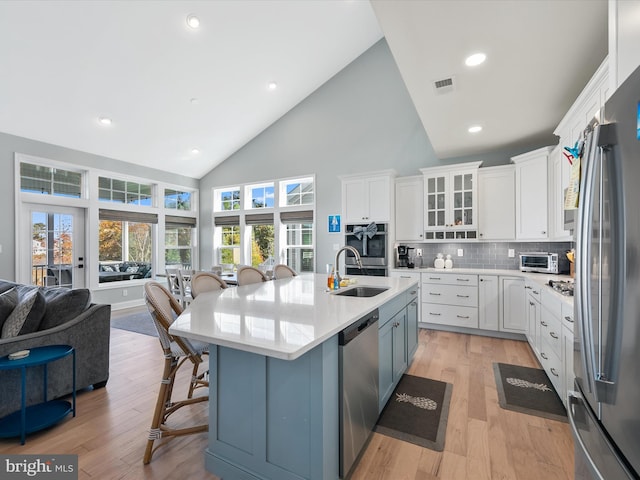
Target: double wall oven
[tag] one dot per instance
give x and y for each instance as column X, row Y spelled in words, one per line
column 370, row 240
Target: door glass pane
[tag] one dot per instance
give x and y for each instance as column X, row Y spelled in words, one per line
column 440, row 201
column 431, row 184
column 468, row 199
column 468, row 183
column 431, row 202
column 52, row 249
column 457, row 182
column 468, row 216
column 441, row 218
column 441, row 184
column 457, row 200
column 457, row 216
column 431, row 219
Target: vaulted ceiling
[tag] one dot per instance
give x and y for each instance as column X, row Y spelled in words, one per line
column 183, row 99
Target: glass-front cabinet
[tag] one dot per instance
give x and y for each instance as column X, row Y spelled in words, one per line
column 451, row 202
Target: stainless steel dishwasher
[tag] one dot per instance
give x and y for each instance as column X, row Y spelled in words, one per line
column 358, row 356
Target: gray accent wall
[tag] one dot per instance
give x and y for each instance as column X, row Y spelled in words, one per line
column 11, row 144
column 360, row 120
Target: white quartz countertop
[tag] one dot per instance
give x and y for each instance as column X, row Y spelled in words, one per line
column 541, row 279
column 281, row 318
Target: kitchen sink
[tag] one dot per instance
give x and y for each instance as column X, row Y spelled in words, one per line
column 362, row 291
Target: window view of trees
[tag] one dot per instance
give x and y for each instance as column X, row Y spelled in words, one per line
column 262, row 244
column 52, row 247
column 112, row 241
column 177, row 242
column 230, row 250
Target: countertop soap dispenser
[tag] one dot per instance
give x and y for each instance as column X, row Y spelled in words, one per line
column 439, row 261
column 448, row 263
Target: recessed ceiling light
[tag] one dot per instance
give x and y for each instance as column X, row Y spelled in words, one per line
column 475, row 59
column 475, row 129
column 272, row 85
column 195, row 151
column 193, row 21
column 104, row 120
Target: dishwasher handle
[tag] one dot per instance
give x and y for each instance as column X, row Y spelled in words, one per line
column 357, row 327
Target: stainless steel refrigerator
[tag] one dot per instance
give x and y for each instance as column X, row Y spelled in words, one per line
column 604, row 409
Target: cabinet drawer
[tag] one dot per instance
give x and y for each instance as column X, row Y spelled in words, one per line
column 533, row 290
column 449, row 278
column 551, row 331
column 552, row 366
column 552, row 302
column 450, row 315
column 567, row 315
column 450, row 295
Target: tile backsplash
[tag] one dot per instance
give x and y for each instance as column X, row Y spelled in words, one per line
column 484, row 254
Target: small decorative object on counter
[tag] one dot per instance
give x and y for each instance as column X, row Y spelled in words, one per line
column 336, row 280
column 329, row 276
column 439, row 262
column 448, row 263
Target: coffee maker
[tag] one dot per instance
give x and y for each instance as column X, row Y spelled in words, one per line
column 402, row 259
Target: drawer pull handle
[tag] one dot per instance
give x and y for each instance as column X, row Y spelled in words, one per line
column 544, row 324
column 413, row 292
column 527, row 287
column 531, row 303
column 435, row 314
column 435, row 294
column 553, row 335
column 435, row 278
column 537, row 293
column 462, row 279
column 544, row 356
column 553, row 370
column 462, row 296
column 462, row 316
column 568, row 319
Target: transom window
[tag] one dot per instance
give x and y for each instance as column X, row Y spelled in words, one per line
column 124, row 191
column 177, row 199
column 296, row 192
column 46, row 180
column 261, row 196
column 226, row 199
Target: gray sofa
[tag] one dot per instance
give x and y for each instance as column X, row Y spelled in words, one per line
column 58, row 317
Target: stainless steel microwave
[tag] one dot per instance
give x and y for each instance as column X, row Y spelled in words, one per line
column 541, row 262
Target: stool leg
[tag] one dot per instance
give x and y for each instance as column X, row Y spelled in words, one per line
column 166, row 386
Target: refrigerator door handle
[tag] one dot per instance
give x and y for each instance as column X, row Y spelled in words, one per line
column 583, row 300
column 610, row 349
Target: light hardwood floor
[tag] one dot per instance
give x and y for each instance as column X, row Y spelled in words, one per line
column 482, row 441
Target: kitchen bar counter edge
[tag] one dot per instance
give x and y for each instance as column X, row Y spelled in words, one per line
column 282, row 318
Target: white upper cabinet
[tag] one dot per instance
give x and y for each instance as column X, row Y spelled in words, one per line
column 531, row 194
column 451, row 201
column 496, row 203
column 587, row 106
column 409, row 209
column 367, row 198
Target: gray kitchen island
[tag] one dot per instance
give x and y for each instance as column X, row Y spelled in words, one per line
column 275, row 369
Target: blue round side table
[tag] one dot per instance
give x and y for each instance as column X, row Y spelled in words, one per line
column 42, row 415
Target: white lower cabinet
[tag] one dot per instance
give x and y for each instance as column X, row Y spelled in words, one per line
column 532, row 314
column 513, row 317
column 488, row 302
column 450, row 299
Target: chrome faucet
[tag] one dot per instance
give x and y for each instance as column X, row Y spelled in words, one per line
column 355, row 253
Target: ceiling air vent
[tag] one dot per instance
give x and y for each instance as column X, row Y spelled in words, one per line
column 443, row 86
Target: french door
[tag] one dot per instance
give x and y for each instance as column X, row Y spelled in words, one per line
column 52, row 249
